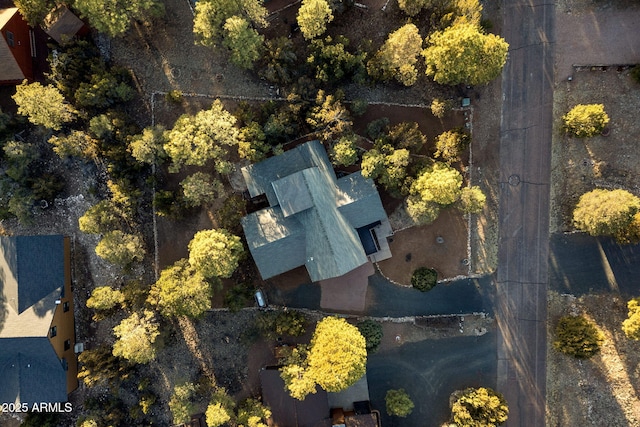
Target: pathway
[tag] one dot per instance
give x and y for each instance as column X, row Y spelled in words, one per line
column 525, row 156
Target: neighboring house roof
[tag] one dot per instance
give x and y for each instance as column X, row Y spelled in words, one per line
column 31, row 267
column 6, row 15
column 31, row 371
column 31, row 281
column 61, row 24
column 286, row 411
column 9, row 68
column 312, row 218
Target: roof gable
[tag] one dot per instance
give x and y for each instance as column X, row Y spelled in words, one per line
column 359, row 201
column 292, row 193
column 6, row 15
column 260, row 176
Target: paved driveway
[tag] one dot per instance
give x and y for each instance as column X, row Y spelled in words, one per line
column 385, row 299
column 430, row 371
column 581, row 264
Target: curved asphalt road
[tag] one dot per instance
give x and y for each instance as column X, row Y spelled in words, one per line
column 523, row 248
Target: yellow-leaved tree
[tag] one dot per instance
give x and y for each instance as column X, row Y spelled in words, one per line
column 335, row 360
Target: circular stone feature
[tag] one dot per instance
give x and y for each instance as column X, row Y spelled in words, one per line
column 514, row 180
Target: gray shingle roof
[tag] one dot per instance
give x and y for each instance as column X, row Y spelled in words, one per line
column 31, row 372
column 276, row 243
column 31, row 267
column 32, row 278
column 313, row 216
column 259, row 176
column 359, row 201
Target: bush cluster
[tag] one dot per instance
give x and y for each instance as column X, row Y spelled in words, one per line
column 424, row 279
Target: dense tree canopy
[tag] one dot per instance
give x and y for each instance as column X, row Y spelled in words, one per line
column 181, row 291
column 329, row 117
column 215, row 253
column 114, row 17
column 211, row 16
column 98, row 365
column 450, row 144
column 99, row 218
column 313, row 17
column 479, row 407
column 586, row 120
column 34, row 11
column 148, row 146
column 345, row 151
column 120, row 248
column 136, row 336
column 462, row 53
column 333, row 62
column 338, row 354
column 200, row 188
column 243, row 41
column 181, row 402
column 387, row 166
column 398, row 56
column 208, row 135
column 607, row 213
column 77, row 143
column 438, row 183
column 43, row 105
column 105, row 298
column 631, row 325
column 437, row 186
column 472, row 200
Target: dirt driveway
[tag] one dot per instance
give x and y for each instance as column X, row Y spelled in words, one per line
column 589, row 36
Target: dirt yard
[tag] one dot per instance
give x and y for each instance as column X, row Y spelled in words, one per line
column 602, row 390
column 580, row 165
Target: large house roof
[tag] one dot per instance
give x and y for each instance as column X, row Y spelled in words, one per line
column 31, row 371
column 31, row 281
column 313, row 216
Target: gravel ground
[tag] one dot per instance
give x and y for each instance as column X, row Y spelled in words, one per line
column 601, row 391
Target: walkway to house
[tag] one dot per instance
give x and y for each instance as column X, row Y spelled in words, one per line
column 348, row 292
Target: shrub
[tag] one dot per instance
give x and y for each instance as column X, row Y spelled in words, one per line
column 372, row 333
column 238, row 297
column 398, row 403
column 181, row 402
column 273, row 324
column 635, row 73
column 105, row 298
column 424, row 279
column 577, row 336
column 175, row 96
column 478, row 407
column 585, row 120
